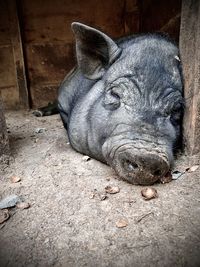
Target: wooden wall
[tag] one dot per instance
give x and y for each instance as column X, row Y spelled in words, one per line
column 12, row 70
column 42, row 28
column 4, row 144
column 48, row 39
column 163, row 16
column 190, row 55
column 9, row 90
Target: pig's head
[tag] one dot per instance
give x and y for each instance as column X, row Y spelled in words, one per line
column 139, row 111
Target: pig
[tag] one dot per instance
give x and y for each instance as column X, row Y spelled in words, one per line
column 123, row 103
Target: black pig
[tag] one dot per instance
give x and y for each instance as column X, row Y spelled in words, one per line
column 123, row 103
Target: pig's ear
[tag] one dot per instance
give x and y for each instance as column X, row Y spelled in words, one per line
column 95, row 50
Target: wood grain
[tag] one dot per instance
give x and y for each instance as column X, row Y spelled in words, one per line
column 190, row 55
column 4, row 146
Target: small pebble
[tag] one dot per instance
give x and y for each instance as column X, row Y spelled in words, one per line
column 86, row 158
column 176, row 175
column 102, row 197
column 112, row 189
column 92, row 195
column 40, row 130
column 9, row 201
column 37, row 113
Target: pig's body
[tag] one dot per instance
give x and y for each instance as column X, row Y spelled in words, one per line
column 123, row 103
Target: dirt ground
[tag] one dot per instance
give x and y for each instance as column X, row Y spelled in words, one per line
column 68, row 222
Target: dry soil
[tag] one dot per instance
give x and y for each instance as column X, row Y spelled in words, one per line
column 69, row 223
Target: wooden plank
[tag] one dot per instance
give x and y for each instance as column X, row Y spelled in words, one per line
column 162, row 16
column 44, row 94
column 190, row 55
column 49, row 46
column 4, row 144
column 10, row 97
column 7, row 68
column 131, row 17
column 8, row 84
column 15, row 35
column 4, row 23
column 49, row 63
column 50, row 21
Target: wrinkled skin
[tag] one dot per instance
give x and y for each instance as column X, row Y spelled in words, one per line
column 123, row 103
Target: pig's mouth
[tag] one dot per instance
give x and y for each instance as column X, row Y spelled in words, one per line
column 139, row 166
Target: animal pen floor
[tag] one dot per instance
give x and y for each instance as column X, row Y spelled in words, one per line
column 69, row 223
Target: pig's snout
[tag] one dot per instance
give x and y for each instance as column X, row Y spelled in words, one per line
column 141, row 168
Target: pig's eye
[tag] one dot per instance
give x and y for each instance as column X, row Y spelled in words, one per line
column 111, row 100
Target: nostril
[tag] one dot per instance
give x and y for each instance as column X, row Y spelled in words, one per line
column 157, row 172
column 130, row 166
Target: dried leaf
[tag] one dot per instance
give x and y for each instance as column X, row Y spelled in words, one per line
column 4, row 215
column 15, row 179
column 193, row 168
column 149, row 193
column 23, row 205
column 112, row 189
column 122, row 223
